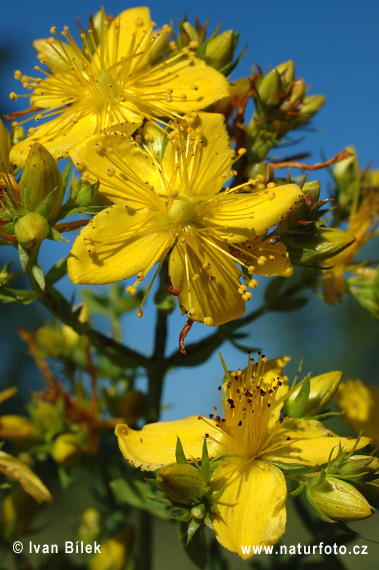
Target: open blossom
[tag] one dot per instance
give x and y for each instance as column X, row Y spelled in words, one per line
column 115, row 78
column 250, row 437
column 172, row 204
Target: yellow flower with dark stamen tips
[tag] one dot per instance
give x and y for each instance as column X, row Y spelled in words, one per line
column 250, row 438
column 112, row 80
column 174, row 204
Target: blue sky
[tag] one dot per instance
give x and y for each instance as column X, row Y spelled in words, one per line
column 335, row 49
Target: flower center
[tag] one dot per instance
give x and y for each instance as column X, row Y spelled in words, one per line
column 182, row 209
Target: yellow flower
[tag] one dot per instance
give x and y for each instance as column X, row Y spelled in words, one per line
column 249, row 438
column 175, row 204
column 111, row 80
column 363, row 225
column 18, row 470
column 360, row 403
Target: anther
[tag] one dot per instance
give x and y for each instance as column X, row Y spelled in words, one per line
column 99, row 147
column 270, row 195
column 261, row 260
column 139, row 313
column 208, row 321
column 111, row 172
column 253, row 284
column 206, row 265
column 251, row 269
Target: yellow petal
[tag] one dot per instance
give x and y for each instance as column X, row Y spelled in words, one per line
column 155, row 444
column 194, row 84
column 214, row 294
column 118, row 243
column 209, row 167
column 269, row 259
column 308, row 442
column 252, row 507
column 125, row 171
column 8, row 393
column 249, row 215
column 129, row 27
column 18, row 470
column 58, row 135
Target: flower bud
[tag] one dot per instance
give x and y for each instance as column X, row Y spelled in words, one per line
column 17, row 133
column 183, row 483
column 311, row 104
column 322, row 390
column 40, row 177
column 360, row 468
column 219, row 51
column 46, row 415
column 31, row 229
column 67, row 448
column 316, row 245
column 287, row 72
column 49, row 340
column 270, row 88
column 364, row 286
column 338, row 500
column 17, row 428
column 190, row 32
column 296, row 96
column 359, row 402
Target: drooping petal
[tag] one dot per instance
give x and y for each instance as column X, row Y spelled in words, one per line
column 252, row 507
column 268, row 258
column 209, row 295
column 155, row 444
column 242, row 217
column 308, row 442
column 18, row 470
column 58, row 135
column 118, row 243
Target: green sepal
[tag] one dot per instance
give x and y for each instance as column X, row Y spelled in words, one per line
column 39, row 276
column 294, row 406
column 179, row 452
column 24, row 256
column 196, row 548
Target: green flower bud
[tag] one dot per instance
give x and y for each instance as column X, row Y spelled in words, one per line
column 219, row 51
column 270, row 88
column 296, row 96
column 337, row 500
column 287, row 72
column 364, row 286
column 199, row 512
column 49, row 340
column 46, row 415
column 17, row 134
column 322, row 390
column 31, row 229
column 316, row 245
column 17, row 428
column 360, row 468
column 311, row 104
column 190, row 32
column 40, row 177
column 85, row 195
column 183, row 483
column 67, row 448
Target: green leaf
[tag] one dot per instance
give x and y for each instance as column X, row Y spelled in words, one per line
column 17, row 296
column 24, row 256
column 136, row 493
column 39, row 276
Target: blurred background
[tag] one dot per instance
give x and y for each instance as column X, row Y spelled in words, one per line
column 334, row 46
